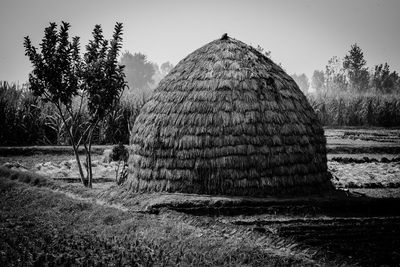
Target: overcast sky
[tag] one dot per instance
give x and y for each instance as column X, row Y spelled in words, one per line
column 302, row 35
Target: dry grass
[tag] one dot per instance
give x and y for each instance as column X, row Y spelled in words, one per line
column 30, row 161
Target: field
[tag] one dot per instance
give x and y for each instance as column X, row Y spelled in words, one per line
column 47, row 217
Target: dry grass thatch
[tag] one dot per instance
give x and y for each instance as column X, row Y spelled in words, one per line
column 227, row 120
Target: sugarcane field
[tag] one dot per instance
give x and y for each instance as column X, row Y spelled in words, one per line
column 188, row 133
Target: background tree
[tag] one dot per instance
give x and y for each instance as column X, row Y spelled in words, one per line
column 166, row 67
column 139, row 73
column 383, row 80
column 318, row 81
column 157, row 76
column 302, row 82
column 354, row 65
column 335, row 78
column 59, row 74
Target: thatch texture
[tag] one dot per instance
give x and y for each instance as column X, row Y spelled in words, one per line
column 227, row 120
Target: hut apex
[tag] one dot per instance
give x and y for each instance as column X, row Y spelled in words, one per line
column 227, row 120
column 224, row 36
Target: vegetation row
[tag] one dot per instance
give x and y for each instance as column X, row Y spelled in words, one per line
column 27, row 120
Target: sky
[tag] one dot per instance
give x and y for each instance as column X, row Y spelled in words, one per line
column 302, row 35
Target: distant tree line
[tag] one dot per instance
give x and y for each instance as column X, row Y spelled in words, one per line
column 348, row 93
column 350, row 74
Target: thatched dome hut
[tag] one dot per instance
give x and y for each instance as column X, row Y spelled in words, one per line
column 227, row 120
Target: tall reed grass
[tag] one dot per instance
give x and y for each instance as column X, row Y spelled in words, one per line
column 347, row 109
column 26, row 120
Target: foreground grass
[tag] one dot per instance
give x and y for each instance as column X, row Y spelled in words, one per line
column 41, row 227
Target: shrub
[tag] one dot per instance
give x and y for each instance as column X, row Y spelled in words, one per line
column 120, row 154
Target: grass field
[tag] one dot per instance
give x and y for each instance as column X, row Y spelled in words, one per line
column 44, row 221
column 40, row 226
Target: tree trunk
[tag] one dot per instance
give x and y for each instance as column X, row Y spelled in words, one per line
column 74, row 147
column 88, row 167
column 88, row 149
column 78, row 162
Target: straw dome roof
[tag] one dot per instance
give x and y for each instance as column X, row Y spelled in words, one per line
column 227, row 120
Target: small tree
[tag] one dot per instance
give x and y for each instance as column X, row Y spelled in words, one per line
column 139, row 72
column 120, row 154
column 318, row 81
column 354, row 65
column 103, row 81
column 55, row 74
column 166, row 67
column 335, row 79
column 302, row 82
column 59, row 74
